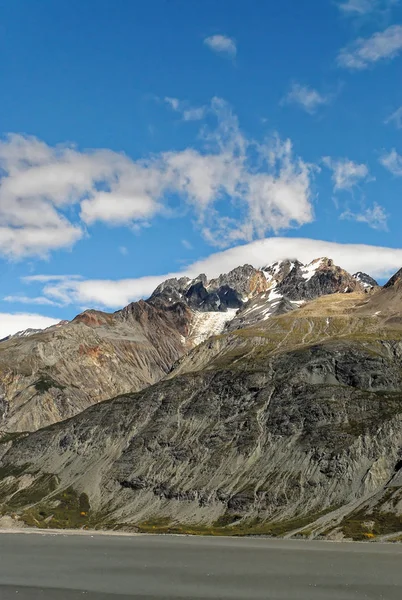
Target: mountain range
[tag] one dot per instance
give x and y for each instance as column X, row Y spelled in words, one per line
column 265, row 401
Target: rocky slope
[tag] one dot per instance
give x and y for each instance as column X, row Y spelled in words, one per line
column 51, row 375
column 47, row 376
column 289, row 426
column 365, row 280
column 54, row 374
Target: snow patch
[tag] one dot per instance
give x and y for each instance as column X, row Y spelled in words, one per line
column 206, row 324
column 274, row 295
column 310, row 270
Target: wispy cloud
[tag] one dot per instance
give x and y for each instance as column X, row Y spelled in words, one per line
column 28, row 300
column 123, row 250
column 360, row 7
column 48, row 278
column 375, row 217
column 222, row 44
column 306, row 97
column 194, row 114
column 174, row 103
column 395, row 118
column 188, row 245
column 188, row 113
column 365, row 52
column 365, row 7
column 346, row 173
column 376, row 260
column 268, row 186
column 393, row 162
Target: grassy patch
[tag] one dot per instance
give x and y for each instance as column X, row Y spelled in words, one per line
column 40, row 488
column 384, row 523
column 45, row 383
column 13, row 470
column 223, row 527
column 10, row 437
column 66, row 510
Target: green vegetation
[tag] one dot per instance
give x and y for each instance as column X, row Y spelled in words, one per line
column 41, row 487
column 297, row 330
column 355, row 526
column 13, row 470
column 45, row 382
column 226, row 519
column 65, row 510
column 10, row 437
column 223, row 526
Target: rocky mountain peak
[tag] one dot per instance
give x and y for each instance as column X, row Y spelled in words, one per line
column 395, row 281
column 277, row 271
column 290, row 284
column 228, row 291
column 245, row 280
column 365, row 280
column 93, row 318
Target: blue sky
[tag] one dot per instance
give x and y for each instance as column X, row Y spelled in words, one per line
column 140, row 139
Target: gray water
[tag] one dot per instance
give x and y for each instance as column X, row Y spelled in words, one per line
column 61, row 567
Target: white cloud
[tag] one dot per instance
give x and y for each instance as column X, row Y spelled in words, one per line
column 266, row 184
column 345, row 172
column 360, row 7
column 365, row 7
column 174, row 103
column 364, row 52
column 375, row 217
column 194, row 114
column 49, row 278
column 38, row 183
column 222, row 44
column 377, row 261
column 188, row 113
column 306, row 97
column 28, row 300
column 11, row 323
column 395, row 118
column 393, row 162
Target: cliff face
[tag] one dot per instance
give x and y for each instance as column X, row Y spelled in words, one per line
column 54, row 374
column 51, row 375
column 47, row 376
column 301, row 434
column 291, row 425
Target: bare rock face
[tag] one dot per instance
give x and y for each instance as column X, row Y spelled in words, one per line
column 290, row 284
column 319, row 278
column 243, row 450
column 365, row 280
column 54, row 374
column 395, row 280
column 51, row 375
column 292, row 425
column 228, row 291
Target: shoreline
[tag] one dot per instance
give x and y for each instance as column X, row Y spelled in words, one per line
column 80, row 532
column 104, row 533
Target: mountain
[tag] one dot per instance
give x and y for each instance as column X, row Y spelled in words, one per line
column 365, row 280
column 30, row 331
column 288, row 426
column 51, row 375
column 54, row 374
column 395, row 280
column 290, row 285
